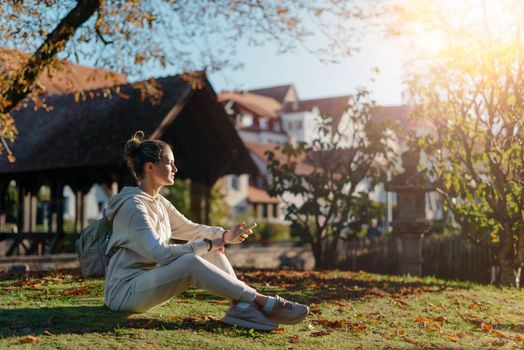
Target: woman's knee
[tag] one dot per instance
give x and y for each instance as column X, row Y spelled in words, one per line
column 191, row 262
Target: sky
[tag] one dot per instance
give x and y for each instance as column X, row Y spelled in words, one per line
column 315, row 79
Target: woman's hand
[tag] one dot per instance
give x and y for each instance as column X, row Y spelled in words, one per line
column 232, row 236
column 217, row 245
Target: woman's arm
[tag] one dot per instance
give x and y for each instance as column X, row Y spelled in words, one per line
column 184, row 229
column 145, row 241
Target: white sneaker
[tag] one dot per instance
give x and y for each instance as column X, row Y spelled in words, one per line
column 250, row 317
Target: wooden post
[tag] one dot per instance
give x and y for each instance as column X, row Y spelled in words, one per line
column 79, row 198
column 200, row 202
column 83, row 216
column 21, row 212
column 3, row 196
column 33, row 203
column 27, row 211
column 56, row 223
column 57, row 214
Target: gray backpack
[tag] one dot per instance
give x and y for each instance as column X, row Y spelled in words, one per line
column 92, row 245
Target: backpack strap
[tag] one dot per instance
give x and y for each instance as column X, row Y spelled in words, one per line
column 108, row 222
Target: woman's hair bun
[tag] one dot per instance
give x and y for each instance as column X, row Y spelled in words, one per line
column 134, row 142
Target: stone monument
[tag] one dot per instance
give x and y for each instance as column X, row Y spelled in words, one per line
column 410, row 223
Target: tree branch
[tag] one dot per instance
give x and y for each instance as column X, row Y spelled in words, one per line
column 54, row 43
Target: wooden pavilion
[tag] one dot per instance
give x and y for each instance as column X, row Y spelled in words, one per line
column 80, row 143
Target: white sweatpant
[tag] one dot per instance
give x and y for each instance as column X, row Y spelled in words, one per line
column 212, row 272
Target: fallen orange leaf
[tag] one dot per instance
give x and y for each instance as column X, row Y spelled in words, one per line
column 279, row 331
column 29, row 339
column 423, row 320
column 485, row 326
column 294, row 339
column 453, row 338
column 410, row 340
column 321, row 333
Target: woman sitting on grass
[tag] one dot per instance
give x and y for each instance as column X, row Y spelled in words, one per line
column 146, row 271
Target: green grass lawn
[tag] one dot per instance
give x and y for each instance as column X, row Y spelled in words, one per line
column 349, row 310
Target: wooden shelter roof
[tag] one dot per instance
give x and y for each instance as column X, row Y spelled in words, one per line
column 90, row 134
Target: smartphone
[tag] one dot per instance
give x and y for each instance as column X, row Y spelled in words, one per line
column 246, row 228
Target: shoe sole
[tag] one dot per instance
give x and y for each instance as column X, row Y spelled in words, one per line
column 295, row 320
column 246, row 324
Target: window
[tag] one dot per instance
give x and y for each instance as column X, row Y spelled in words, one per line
column 275, row 210
column 299, row 125
column 264, row 210
column 234, row 183
column 263, row 123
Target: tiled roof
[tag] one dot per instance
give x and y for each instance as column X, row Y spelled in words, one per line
column 276, row 92
column 251, row 103
column 259, row 149
column 69, row 78
column 258, row 195
column 332, row 106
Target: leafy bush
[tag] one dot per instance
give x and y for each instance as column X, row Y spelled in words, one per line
column 268, row 231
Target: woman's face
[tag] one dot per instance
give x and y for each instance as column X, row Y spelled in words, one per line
column 163, row 171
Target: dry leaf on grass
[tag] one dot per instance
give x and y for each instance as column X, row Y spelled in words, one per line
column 76, row 291
column 485, row 326
column 453, row 338
column 279, row 331
column 410, row 340
column 321, row 333
column 294, row 339
column 145, row 325
column 29, row 340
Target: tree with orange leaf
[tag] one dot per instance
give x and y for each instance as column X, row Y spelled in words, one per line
column 131, row 37
column 471, row 95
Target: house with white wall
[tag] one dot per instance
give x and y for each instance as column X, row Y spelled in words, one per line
column 277, row 115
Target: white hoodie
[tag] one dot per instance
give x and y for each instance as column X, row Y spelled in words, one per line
column 142, row 228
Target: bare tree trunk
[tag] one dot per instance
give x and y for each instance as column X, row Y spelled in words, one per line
column 509, row 276
column 325, row 253
column 54, row 43
column 317, row 253
column 509, row 273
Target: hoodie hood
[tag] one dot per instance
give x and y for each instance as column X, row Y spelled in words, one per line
column 127, row 192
